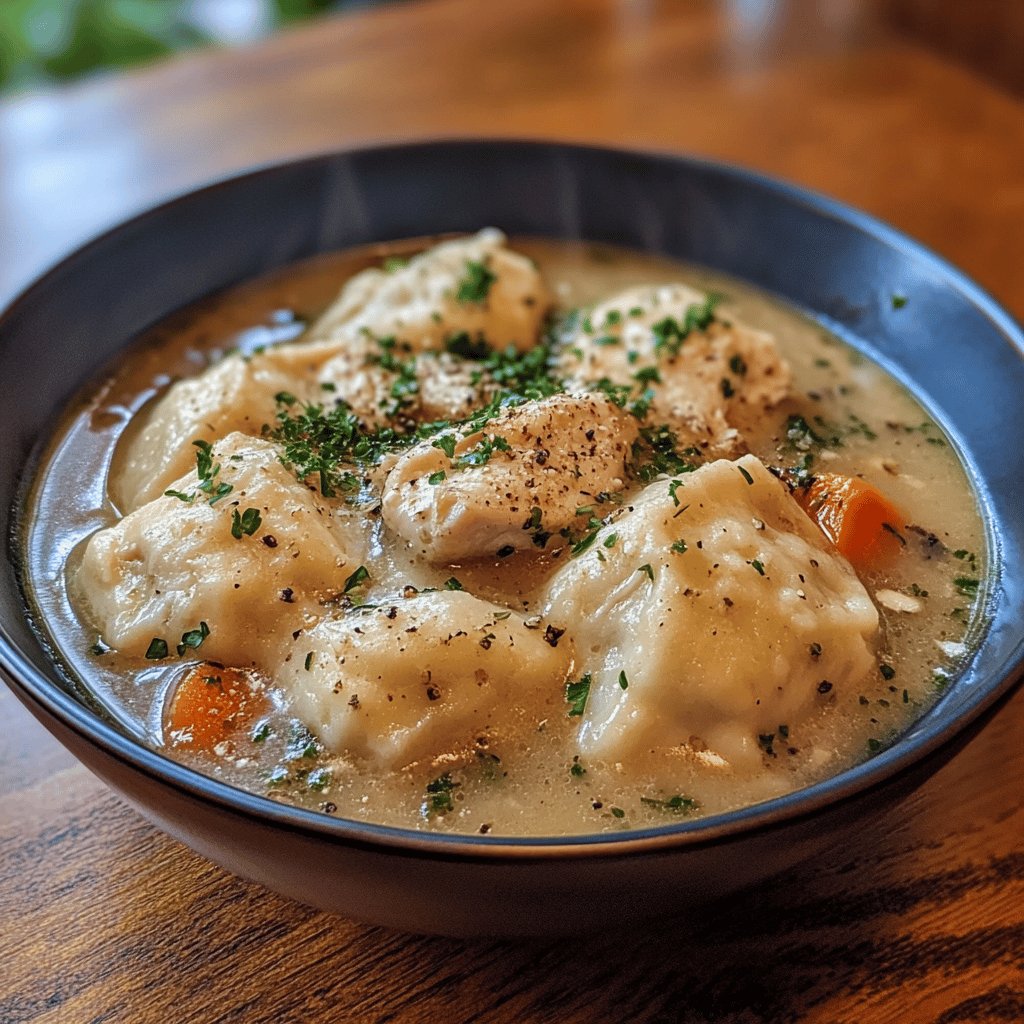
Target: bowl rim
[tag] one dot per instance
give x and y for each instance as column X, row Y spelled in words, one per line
column 41, row 693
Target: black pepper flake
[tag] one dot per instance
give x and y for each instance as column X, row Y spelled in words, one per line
column 485, row 828
column 328, row 807
column 815, row 650
column 824, row 686
column 433, row 693
column 552, row 634
column 271, row 541
column 506, row 551
column 288, row 595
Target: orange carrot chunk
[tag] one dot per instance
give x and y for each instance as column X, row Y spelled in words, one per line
column 856, row 516
column 210, row 703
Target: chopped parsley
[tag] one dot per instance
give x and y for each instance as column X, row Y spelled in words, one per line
column 157, row 649
column 452, row 584
column 359, row 577
column 207, row 471
column 467, row 347
column 655, row 452
column 192, row 639
column 678, row 547
column 800, row 434
column 480, row 454
column 435, row 478
column 617, row 812
column 609, row 541
column 967, row 585
column 757, row 566
column 446, row 443
column 677, row 804
column 623, row 681
column 319, row 779
column 440, row 795
column 669, row 334
column 475, row 283
column 738, row 366
column 302, row 744
column 246, row 524
column 647, row 570
column 582, row 545
column 746, row 476
column 898, row 300
column 576, row 694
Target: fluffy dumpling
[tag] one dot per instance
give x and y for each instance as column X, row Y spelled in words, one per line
column 523, row 477
column 174, row 563
column 693, row 369
column 422, row 677
column 725, row 608
column 236, row 394
column 472, row 285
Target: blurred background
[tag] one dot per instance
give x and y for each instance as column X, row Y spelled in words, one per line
column 46, row 41
column 58, row 40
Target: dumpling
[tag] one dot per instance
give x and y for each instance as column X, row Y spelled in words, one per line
column 236, row 394
column 695, row 370
column 174, row 563
column 472, row 285
column 723, row 607
column 520, row 478
column 422, row 677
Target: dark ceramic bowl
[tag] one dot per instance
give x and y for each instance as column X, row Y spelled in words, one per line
column 958, row 351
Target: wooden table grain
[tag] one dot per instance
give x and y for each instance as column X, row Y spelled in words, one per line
column 921, row 919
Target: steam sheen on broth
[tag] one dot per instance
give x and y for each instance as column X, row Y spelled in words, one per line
column 612, row 606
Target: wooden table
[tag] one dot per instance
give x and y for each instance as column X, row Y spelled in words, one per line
column 104, row 919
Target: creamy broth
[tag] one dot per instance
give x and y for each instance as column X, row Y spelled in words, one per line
column 529, row 777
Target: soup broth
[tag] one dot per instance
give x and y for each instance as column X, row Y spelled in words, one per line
column 521, row 769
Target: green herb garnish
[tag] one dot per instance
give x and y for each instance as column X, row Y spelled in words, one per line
column 576, row 693
column 475, row 283
column 360, row 576
column 246, row 524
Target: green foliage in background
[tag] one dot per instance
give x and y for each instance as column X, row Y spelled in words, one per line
column 47, row 40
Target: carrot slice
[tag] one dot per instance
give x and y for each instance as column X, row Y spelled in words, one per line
column 209, row 703
column 855, row 515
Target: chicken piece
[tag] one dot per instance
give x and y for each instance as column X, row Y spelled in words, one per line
column 718, row 612
column 507, row 486
column 451, row 388
column 471, row 285
column 235, row 394
column 696, row 369
column 179, row 561
column 422, row 677
column 390, row 387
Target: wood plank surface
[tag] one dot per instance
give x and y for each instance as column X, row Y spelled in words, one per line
column 102, row 918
